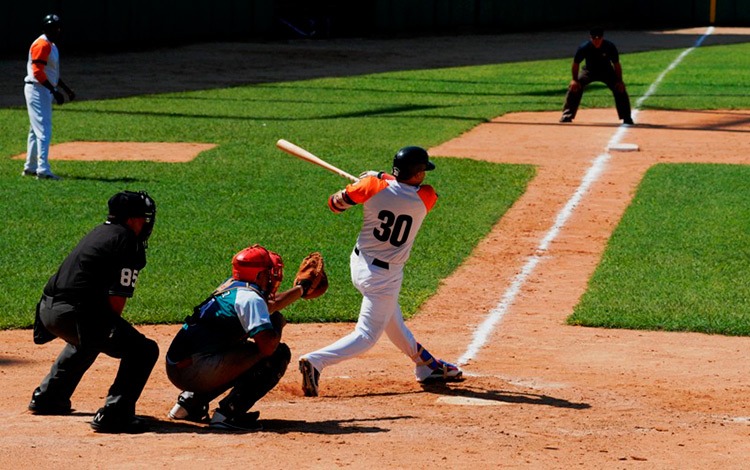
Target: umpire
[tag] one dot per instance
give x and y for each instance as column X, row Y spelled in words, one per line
column 83, row 302
column 602, row 65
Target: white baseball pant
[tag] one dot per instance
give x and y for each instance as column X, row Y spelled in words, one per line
column 39, row 105
column 379, row 312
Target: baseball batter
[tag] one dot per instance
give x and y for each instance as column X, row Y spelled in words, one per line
column 394, row 208
column 41, row 85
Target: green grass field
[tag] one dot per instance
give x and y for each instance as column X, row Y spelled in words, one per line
column 247, row 191
column 679, row 258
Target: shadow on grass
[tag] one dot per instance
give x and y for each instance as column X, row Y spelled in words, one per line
column 105, row 179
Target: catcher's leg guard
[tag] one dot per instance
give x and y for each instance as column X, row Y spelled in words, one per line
column 256, row 382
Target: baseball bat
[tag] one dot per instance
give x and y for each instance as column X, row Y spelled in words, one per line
column 299, row 152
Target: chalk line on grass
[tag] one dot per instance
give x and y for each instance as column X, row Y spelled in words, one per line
column 486, row 328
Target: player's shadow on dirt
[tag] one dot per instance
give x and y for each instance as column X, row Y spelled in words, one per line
column 282, row 426
column 502, row 396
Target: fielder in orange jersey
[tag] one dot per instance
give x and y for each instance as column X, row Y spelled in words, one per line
column 41, row 86
column 394, row 208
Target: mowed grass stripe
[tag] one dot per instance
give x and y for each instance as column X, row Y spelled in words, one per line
column 680, row 258
column 246, row 190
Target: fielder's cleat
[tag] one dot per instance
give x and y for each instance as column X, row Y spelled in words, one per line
column 114, row 423
column 444, row 372
column 28, row 173
column 47, row 176
column 310, row 377
column 566, row 119
column 628, row 121
column 245, row 422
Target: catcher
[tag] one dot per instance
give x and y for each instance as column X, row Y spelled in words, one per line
column 232, row 342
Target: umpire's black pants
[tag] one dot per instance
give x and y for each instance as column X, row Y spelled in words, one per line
column 609, row 78
column 88, row 332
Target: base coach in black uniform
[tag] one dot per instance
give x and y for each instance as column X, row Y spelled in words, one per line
column 82, row 304
column 602, row 65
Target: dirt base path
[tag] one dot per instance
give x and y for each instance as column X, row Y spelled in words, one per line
column 539, row 394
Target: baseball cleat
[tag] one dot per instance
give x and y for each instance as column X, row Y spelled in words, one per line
column 310, row 377
column 28, row 173
column 42, row 406
column 47, row 176
column 245, row 422
column 189, row 409
column 445, row 372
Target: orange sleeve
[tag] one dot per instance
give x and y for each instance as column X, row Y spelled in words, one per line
column 365, row 188
column 40, row 51
column 428, row 195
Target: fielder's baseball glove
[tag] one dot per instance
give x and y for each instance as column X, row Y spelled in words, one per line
column 312, row 276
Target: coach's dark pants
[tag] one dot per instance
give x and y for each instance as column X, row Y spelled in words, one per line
column 609, row 78
column 88, row 332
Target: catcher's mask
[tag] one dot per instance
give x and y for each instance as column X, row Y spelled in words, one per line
column 408, row 160
column 127, row 204
column 248, row 263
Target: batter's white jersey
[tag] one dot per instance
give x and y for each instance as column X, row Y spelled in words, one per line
column 393, row 214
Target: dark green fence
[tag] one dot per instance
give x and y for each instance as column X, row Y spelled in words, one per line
column 100, row 25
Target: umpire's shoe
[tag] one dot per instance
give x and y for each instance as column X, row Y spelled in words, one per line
column 108, row 421
column 310, row 377
column 40, row 405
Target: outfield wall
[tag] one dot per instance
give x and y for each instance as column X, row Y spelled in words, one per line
column 101, row 25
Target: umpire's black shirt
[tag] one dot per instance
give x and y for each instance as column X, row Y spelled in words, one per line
column 597, row 59
column 106, row 262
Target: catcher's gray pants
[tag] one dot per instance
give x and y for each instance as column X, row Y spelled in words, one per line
column 573, row 99
column 89, row 333
column 239, row 367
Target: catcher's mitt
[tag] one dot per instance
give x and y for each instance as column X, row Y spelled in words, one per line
column 311, row 276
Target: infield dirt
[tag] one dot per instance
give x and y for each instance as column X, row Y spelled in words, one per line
column 540, row 394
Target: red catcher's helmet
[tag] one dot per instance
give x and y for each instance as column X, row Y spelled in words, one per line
column 248, row 263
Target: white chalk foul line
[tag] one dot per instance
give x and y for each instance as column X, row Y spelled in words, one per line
column 485, row 329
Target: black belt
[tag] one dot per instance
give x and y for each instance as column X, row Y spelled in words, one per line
column 375, row 261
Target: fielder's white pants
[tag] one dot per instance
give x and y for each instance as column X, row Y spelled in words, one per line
column 378, row 313
column 39, row 105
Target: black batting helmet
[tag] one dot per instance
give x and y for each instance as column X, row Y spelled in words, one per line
column 406, row 161
column 50, row 21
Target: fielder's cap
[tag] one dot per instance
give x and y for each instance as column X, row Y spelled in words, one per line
column 411, row 156
column 596, row 32
column 126, row 204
